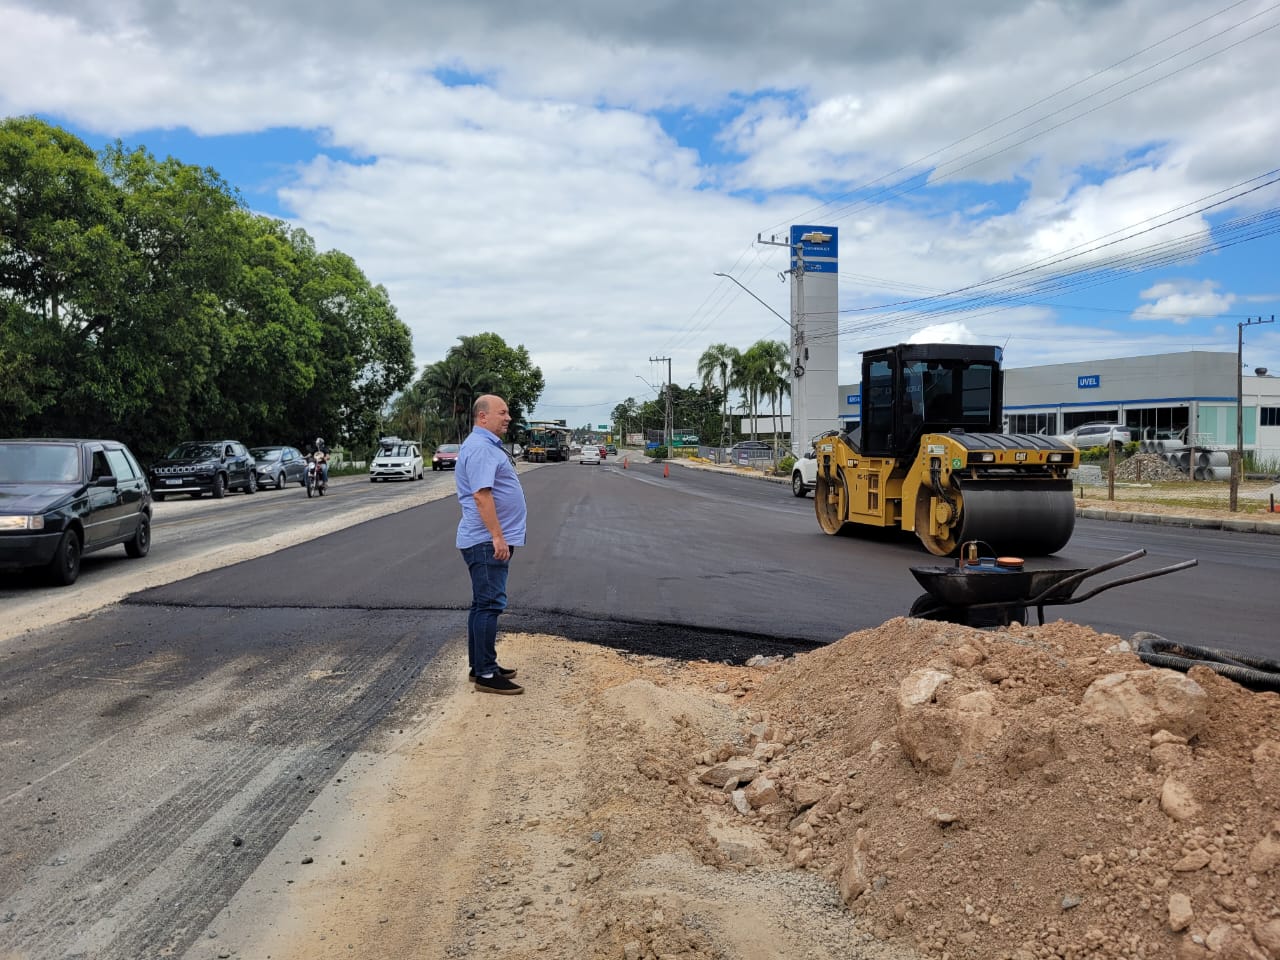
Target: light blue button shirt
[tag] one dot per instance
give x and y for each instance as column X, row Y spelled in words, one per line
column 483, row 464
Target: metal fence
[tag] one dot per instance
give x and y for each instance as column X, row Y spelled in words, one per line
column 749, row 457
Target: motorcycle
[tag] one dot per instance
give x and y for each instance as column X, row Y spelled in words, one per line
column 316, row 482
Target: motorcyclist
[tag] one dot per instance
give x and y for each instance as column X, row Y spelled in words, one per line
column 320, row 454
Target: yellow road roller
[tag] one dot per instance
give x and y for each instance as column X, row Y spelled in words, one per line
column 929, row 456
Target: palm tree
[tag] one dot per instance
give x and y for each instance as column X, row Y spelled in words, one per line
column 719, row 359
column 752, row 378
column 454, row 384
column 775, row 379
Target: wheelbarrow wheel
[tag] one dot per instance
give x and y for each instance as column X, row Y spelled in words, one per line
column 926, row 607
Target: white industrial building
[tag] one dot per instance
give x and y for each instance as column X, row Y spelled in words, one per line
column 1159, row 396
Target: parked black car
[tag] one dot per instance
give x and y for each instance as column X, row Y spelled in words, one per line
column 277, row 466
column 60, row 499
column 198, row 467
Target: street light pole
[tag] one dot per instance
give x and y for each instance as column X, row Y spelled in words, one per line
column 795, row 370
column 667, row 424
column 761, row 302
column 1237, row 465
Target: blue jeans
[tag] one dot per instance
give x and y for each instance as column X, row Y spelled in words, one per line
column 488, row 600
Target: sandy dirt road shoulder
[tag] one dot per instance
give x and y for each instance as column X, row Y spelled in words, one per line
column 527, row 827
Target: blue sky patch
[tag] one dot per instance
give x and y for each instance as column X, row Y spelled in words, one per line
column 256, row 164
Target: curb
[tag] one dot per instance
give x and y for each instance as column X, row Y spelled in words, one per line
column 1230, row 524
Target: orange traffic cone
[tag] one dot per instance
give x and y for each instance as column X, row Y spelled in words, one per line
column 666, row 470
column 624, row 463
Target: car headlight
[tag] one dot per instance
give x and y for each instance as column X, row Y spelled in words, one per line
column 22, row 523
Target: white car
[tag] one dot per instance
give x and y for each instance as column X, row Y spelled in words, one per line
column 1089, row 435
column 401, row 460
column 590, row 454
column 804, row 475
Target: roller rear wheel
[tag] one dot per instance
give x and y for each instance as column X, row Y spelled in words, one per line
column 831, row 502
column 943, row 543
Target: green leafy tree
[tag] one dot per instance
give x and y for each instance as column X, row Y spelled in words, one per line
column 479, row 364
column 518, row 381
column 140, row 299
column 626, row 418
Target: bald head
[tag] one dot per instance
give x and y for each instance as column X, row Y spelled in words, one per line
column 491, row 412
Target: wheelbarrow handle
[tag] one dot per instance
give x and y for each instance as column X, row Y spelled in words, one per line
column 1185, row 564
column 1071, row 581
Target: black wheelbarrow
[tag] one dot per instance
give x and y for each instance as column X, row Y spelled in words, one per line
column 988, row 594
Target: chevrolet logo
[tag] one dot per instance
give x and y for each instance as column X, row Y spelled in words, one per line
column 816, row 236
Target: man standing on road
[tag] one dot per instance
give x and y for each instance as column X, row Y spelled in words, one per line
column 492, row 526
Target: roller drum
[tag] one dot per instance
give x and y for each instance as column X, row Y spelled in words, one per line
column 1024, row 518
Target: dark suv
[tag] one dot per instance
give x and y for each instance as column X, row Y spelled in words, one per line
column 198, row 467
column 60, row 499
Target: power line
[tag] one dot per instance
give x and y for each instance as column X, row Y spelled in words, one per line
column 883, row 194
column 1231, row 233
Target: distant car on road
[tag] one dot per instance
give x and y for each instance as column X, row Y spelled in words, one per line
column 198, row 467
column 445, row 457
column 610, row 449
column 397, row 460
column 591, row 454
column 61, row 499
column 277, row 466
column 1089, row 435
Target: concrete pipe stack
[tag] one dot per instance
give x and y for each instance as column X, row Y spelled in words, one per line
column 1212, row 458
column 1212, row 473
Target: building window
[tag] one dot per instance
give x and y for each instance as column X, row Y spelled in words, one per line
column 1270, row 417
column 1076, row 418
column 1046, row 423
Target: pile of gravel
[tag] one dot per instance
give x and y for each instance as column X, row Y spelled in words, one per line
column 1147, row 468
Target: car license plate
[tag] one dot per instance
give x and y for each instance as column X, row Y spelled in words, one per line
column 173, row 483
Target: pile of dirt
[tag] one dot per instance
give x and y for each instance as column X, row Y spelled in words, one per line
column 1028, row 793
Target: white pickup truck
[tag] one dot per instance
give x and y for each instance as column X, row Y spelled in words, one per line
column 1089, row 435
column 804, row 475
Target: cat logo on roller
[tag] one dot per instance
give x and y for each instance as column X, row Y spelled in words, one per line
column 929, row 457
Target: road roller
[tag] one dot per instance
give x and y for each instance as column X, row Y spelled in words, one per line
column 929, row 456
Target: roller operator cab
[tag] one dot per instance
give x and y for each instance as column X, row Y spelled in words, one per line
column 929, row 457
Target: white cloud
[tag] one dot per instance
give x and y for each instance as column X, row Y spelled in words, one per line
column 1183, row 301
column 548, row 204
column 953, row 331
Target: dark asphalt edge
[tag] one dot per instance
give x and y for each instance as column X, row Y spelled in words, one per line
column 1229, row 524
column 651, row 637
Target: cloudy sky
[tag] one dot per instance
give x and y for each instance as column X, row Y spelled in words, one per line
column 1075, row 179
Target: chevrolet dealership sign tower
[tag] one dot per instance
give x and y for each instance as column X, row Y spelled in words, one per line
column 815, row 315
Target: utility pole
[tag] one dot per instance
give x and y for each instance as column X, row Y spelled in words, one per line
column 667, row 425
column 1237, row 464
